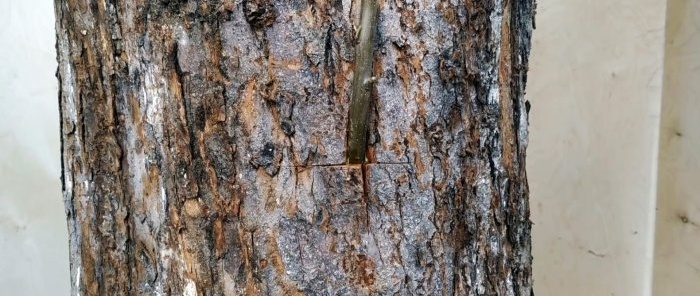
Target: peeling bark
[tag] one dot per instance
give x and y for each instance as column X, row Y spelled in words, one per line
column 204, row 148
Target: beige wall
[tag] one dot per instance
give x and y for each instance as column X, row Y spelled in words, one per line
column 595, row 86
column 677, row 264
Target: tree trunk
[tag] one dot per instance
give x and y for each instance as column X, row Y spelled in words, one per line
column 204, row 148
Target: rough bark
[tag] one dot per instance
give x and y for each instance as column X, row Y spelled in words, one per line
column 204, row 148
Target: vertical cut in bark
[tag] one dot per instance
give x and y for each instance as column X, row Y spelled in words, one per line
column 205, row 147
column 362, row 83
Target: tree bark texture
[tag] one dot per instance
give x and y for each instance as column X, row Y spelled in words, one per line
column 204, row 148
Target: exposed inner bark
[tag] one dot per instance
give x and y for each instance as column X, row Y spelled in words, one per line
column 204, row 148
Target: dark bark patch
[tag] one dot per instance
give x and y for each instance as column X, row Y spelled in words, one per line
column 269, row 158
column 259, row 13
column 287, row 127
column 361, row 270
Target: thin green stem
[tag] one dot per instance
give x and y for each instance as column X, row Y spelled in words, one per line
column 362, row 82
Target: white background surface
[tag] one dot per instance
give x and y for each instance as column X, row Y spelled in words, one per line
column 33, row 231
column 596, row 89
column 595, row 85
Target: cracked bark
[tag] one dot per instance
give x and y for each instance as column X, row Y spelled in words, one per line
column 204, row 148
